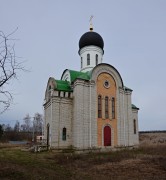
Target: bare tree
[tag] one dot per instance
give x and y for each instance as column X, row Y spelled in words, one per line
column 1, row 131
column 8, row 128
column 27, row 123
column 38, row 123
column 17, row 126
column 9, row 67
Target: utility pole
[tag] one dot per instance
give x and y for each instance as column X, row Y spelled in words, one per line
column 33, row 130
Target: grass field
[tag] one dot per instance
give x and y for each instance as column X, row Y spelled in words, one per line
column 147, row 162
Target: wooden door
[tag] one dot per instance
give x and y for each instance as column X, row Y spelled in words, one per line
column 107, row 136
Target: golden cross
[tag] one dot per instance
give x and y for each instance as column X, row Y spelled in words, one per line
column 90, row 20
column 91, row 25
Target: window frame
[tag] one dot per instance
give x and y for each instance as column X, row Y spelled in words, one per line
column 97, row 59
column 134, row 126
column 64, row 130
column 81, row 62
column 88, row 59
column 99, row 106
column 106, row 107
column 113, row 107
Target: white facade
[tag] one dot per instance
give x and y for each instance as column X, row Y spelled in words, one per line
column 95, row 57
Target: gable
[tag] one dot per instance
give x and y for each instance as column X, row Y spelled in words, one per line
column 71, row 75
column 106, row 68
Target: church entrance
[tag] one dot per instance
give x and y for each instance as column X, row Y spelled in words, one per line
column 107, row 136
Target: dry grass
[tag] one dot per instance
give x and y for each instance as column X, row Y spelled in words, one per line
column 152, row 138
column 146, row 162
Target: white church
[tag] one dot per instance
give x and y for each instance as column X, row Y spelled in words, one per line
column 90, row 108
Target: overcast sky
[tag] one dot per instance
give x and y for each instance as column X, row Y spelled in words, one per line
column 134, row 33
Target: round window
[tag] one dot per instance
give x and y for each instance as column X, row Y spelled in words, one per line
column 106, row 84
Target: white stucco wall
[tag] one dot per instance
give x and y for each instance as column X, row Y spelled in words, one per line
column 80, row 114
column 58, row 113
column 84, row 115
column 135, row 136
column 92, row 50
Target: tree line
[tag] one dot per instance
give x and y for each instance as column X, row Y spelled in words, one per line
column 28, row 130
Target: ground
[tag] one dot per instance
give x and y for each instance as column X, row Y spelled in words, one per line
column 152, row 138
column 145, row 162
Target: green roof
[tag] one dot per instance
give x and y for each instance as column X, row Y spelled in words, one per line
column 63, row 86
column 127, row 89
column 134, row 107
column 79, row 75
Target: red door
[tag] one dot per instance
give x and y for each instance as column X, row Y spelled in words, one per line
column 107, row 136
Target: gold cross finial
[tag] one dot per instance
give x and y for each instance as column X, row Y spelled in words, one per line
column 91, row 25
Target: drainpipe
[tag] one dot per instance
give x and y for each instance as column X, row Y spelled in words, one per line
column 59, row 131
column 51, row 120
column 43, row 125
column 90, row 133
column 124, row 116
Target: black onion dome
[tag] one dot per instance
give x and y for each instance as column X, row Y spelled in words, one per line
column 91, row 38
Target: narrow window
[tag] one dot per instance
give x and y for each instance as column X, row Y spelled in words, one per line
column 113, row 108
column 99, row 107
column 96, row 59
column 81, row 62
column 59, row 93
column 88, row 59
column 48, row 134
column 64, row 134
column 106, row 107
column 49, row 92
column 134, row 124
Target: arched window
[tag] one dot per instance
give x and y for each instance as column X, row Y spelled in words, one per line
column 59, row 93
column 106, row 107
column 81, row 62
column 64, row 134
column 134, row 124
column 113, row 108
column 49, row 92
column 99, row 107
column 96, row 59
column 88, row 59
column 48, row 133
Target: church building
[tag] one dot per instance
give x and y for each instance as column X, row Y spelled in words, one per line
column 90, row 108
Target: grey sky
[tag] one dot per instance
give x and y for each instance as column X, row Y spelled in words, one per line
column 134, row 33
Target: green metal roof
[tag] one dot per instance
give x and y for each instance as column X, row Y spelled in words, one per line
column 63, row 86
column 79, row 75
column 134, row 107
column 127, row 89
